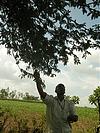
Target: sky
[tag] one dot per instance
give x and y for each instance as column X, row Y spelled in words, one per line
column 79, row 80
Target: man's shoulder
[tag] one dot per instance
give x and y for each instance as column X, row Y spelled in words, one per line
column 68, row 101
column 48, row 97
column 55, row 97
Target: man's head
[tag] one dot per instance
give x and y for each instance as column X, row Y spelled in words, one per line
column 60, row 90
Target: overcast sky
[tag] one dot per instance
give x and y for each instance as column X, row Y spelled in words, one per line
column 79, row 80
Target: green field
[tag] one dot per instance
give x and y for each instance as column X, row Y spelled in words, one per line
column 26, row 117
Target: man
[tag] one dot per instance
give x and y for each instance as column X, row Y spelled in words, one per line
column 60, row 111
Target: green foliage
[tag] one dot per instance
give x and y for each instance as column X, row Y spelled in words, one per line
column 4, row 93
column 95, row 97
column 75, row 99
column 42, row 33
column 27, row 96
column 8, row 94
column 28, row 117
column 15, row 107
column 12, row 94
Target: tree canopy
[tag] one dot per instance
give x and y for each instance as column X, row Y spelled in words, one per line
column 42, row 33
column 95, row 99
column 74, row 99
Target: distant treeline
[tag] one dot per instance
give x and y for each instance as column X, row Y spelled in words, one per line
column 7, row 94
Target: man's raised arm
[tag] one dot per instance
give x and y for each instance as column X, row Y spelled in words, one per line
column 38, row 84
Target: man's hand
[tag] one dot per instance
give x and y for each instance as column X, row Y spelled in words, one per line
column 72, row 118
column 38, row 79
column 40, row 84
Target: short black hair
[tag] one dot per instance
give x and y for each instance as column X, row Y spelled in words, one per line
column 61, row 87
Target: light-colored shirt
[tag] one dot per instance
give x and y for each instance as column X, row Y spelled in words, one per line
column 57, row 113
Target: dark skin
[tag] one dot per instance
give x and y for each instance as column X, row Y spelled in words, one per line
column 60, row 94
column 38, row 83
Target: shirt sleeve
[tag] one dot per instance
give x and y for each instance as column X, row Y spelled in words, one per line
column 49, row 99
column 72, row 110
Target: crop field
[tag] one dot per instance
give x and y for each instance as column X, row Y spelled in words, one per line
column 29, row 117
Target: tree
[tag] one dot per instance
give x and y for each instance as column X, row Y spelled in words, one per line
column 75, row 99
column 42, row 33
column 19, row 95
column 27, row 96
column 95, row 99
column 12, row 94
column 4, row 93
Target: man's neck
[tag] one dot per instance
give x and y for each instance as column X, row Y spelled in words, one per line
column 60, row 99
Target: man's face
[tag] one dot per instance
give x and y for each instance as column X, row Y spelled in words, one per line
column 60, row 94
column 60, row 90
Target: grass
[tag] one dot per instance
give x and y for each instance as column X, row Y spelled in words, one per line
column 29, row 115
column 16, row 106
column 88, row 118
